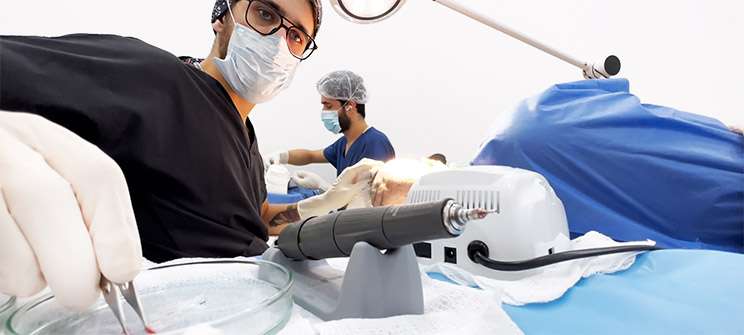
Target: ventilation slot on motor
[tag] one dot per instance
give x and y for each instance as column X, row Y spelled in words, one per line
column 488, row 200
column 425, row 196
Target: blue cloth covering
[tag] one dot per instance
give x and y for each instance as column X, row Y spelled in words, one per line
column 294, row 195
column 664, row 292
column 631, row 171
column 373, row 144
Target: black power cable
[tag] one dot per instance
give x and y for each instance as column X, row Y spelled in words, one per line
column 478, row 253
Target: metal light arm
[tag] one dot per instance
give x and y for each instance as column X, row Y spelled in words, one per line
column 609, row 68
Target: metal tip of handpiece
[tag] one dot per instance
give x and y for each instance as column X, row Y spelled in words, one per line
column 479, row 213
column 456, row 217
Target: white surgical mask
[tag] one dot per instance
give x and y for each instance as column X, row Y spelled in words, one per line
column 257, row 67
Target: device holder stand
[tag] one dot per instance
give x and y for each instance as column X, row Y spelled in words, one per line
column 376, row 284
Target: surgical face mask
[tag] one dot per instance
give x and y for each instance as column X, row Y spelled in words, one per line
column 257, row 67
column 330, row 121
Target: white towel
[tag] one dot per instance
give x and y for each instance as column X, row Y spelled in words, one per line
column 448, row 309
column 556, row 279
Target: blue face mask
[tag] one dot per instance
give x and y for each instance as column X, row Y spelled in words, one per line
column 330, row 121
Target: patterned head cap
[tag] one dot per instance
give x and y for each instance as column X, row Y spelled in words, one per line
column 220, row 8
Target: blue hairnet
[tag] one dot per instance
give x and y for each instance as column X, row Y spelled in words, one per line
column 343, row 85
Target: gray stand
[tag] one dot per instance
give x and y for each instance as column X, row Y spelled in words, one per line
column 375, row 285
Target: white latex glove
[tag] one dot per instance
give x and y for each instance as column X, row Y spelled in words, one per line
column 351, row 182
column 277, row 158
column 310, row 180
column 362, row 200
column 65, row 214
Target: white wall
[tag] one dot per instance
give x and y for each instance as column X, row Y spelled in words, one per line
column 437, row 80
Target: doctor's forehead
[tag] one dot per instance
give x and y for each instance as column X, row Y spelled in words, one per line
column 300, row 12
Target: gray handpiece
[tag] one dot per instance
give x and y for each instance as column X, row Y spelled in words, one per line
column 384, row 228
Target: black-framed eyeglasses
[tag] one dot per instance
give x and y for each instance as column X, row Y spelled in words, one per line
column 266, row 20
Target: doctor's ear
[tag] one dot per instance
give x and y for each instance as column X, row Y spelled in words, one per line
column 350, row 105
column 218, row 26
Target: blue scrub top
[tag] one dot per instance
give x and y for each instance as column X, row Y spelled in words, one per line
column 372, row 144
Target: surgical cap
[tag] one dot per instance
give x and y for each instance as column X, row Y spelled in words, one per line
column 220, row 8
column 343, row 85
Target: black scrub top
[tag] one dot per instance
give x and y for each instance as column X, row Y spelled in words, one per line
column 192, row 166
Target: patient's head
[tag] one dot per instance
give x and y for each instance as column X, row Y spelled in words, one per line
column 439, row 157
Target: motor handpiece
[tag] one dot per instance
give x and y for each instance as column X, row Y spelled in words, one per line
column 391, row 227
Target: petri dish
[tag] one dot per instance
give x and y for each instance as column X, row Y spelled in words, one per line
column 205, row 297
column 6, row 305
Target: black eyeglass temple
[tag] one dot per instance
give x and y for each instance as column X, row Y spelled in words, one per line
column 312, row 46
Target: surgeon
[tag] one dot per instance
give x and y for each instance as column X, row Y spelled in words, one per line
column 111, row 147
column 343, row 97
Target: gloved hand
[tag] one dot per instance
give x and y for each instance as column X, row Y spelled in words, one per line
column 352, row 181
column 65, row 214
column 395, row 179
column 277, row 158
column 310, row 180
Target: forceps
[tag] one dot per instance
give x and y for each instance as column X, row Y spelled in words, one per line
column 111, row 295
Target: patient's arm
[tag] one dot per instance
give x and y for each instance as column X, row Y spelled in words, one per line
column 395, row 179
column 277, row 217
column 304, row 157
column 388, row 192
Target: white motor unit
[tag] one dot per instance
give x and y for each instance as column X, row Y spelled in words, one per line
column 529, row 219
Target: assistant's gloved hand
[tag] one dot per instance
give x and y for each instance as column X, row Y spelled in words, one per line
column 352, row 181
column 310, row 180
column 277, row 158
column 65, row 214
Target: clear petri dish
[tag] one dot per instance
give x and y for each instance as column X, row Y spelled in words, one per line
column 205, row 297
column 6, row 304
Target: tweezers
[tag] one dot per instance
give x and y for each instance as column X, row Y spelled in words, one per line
column 111, row 295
